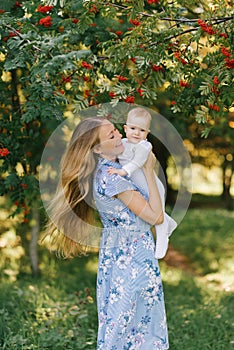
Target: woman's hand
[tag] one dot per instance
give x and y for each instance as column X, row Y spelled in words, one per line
column 150, row 163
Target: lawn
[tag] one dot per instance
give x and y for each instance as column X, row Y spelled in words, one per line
column 58, row 310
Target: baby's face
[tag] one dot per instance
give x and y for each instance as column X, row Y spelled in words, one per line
column 135, row 133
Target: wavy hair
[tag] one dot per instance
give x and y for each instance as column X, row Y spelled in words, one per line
column 72, row 228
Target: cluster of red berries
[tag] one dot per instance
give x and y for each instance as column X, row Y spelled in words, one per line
column 206, row 27
column 4, row 152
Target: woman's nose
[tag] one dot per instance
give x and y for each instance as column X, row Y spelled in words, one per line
column 118, row 134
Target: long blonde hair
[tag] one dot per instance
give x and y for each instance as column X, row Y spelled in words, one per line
column 72, row 224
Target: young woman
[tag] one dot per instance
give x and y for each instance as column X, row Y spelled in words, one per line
column 130, row 297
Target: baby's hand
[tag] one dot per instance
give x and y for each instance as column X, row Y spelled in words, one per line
column 111, row 171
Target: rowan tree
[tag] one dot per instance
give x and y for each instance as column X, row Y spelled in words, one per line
column 65, row 55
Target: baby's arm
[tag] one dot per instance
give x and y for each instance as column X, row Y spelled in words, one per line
column 120, row 172
column 142, row 151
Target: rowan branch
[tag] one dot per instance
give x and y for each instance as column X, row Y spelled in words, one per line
column 218, row 21
column 186, row 20
column 182, row 20
column 20, row 35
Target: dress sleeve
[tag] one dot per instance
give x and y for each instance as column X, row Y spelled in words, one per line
column 116, row 184
column 142, row 150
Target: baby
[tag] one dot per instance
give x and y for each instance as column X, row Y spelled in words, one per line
column 136, row 151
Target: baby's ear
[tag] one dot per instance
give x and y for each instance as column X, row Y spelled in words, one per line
column 125, row 128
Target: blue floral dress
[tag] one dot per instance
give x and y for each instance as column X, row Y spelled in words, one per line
column 131, row 311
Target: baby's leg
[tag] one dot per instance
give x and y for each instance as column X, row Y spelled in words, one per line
column 162, row 239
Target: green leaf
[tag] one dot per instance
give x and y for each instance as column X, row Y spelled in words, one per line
column 205, row 88
column 205, row 132
column 201, row 115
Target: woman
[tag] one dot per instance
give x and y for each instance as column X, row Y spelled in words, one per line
column 129, row 290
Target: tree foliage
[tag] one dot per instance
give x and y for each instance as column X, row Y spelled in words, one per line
column 64, row 55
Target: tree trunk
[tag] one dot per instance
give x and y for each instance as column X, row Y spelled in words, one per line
column 227, row 180
column 33, row 245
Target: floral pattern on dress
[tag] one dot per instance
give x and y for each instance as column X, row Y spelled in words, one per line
column 130, row 298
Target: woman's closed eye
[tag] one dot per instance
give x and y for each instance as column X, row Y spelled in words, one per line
column 113, row 134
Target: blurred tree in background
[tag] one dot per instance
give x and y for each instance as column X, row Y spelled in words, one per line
column 60, row 56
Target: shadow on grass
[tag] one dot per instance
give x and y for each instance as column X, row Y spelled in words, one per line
column 206, row 238
column 197, row 317
column 56, row 311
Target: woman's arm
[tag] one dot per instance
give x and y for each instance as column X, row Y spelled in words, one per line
column 150, row 211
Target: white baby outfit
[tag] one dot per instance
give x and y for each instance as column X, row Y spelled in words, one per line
column 132, row 160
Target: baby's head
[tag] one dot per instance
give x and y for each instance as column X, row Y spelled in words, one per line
column 139, row 117
column 137, row 125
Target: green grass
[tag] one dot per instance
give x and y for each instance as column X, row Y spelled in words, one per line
column 58, row 310
column 55, row 311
